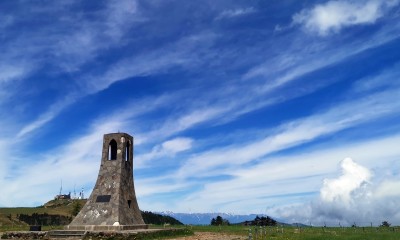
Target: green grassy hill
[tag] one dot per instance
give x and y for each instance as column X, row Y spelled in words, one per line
column 58, row 212
column 9, row 217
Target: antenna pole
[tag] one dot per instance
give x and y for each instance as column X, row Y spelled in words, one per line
column 61, row 188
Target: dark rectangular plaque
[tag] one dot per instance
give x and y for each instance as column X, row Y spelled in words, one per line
column 35, row 228
column 103, row 198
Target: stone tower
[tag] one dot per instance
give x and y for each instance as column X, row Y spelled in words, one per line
column 112, row 204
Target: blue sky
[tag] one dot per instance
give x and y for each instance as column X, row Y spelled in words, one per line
column 288, row 108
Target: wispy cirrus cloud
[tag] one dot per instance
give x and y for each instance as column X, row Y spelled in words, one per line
column 220, row 106
column 298, row 61
column 11, row 72
column 237, row 12
column 168, row 148
column 338, row 118
column 45, row 117
column 154, row 62
column 9, row 75
column 189, row 52
column 83, row 39
column 79, row 42
column 388, row 78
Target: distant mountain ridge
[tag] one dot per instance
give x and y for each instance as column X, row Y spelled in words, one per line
column 205, row 218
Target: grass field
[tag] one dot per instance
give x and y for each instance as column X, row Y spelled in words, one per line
column 278, row 233
column 309, row 233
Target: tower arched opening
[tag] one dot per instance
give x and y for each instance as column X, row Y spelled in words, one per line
column 112, row 150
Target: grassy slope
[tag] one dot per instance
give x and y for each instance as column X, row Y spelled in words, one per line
column 53, row 207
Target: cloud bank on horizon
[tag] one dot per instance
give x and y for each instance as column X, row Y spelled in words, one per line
column 289, row 109
column 351, row 198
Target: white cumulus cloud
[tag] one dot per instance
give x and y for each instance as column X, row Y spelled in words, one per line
column 332, row 16
column 352, row 178
column 356, row 196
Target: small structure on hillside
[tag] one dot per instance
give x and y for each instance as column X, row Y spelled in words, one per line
column 112, row 204
column 63, row 196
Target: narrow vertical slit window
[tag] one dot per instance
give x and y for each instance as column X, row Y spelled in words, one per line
column 129, row 203
column 112, row 150
column 127, row 151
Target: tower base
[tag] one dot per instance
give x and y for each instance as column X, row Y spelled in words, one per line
column 106, row 227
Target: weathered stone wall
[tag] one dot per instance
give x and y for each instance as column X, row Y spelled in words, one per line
column 113, row 200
